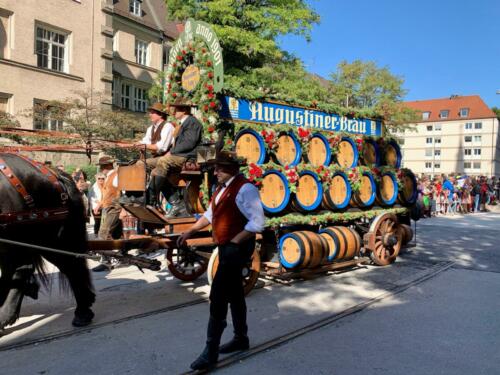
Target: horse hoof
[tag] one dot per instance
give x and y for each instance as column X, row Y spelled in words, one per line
column 83, row 318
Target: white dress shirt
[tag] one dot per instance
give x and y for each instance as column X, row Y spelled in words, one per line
column 249, row 204
column 166, row 136
column 95, row 195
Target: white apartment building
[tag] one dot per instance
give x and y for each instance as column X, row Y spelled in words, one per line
column 53, row 48
column 459, row 134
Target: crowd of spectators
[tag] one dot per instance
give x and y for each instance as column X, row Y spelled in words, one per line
column 453, row 194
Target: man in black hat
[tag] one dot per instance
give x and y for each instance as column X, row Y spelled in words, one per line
column 187, row 137
column 236, row 215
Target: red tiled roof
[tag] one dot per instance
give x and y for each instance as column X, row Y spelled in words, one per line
column 477, row 108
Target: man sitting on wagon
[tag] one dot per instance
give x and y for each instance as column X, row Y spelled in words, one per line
column 159, row 135
column 187, row 137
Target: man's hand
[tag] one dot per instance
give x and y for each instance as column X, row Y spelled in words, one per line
column 181, row 241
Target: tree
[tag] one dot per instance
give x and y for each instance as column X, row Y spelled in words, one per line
column 363, row 85
column 8, row 121
column 497, row 111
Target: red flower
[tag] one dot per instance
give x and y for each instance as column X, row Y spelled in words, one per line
column 376, row 171
column 209, row 63
column 359, row 140
column 209, row 87
column 303, row 133
column 270, row 145
column 203, row 50
column 354, row 170
column 210, row 75
column 212, row 104
column 258, row 183
column 211, row 129
column 210, row 95
column 263, row 133
column 287, row 167
column 174, row 95
column 184, row 52
column 205, row 108
column 351, row 175
column 179, row 58
column 251, row 178
column 229, row 141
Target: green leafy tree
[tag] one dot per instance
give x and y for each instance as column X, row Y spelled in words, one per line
column 497, row 111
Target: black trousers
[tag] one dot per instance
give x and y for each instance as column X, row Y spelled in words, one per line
column 227, row 287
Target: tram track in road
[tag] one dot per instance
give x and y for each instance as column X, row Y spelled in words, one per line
column 284, row 339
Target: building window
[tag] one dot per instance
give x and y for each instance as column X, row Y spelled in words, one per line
column 126, row 89
column 51, row 49
column 444, row 113
column 135, row 7
column 5, row 33
column 428, row 165
column 437, row 165
column 437, row 140
column 47, row 116
column 468, row 152
column 468, row 125
column 426, row 115
column 464, row 112
column 477, row 151
column 4, row 103
column 478, row 125
column 429, row 128
column 467, row 165
column 437, row 127
column 477, row 138
column 476, row 165
column 468, row 138
column 115, row 42
column 428, row 152
column 141, row 52
column 140, row 100
column 437, row 153
column 428, row 140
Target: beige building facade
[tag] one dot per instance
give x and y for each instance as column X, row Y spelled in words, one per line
column 50, row 50
column 459, row 134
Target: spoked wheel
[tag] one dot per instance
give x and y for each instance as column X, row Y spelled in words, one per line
column 250, row 272
column 185, row 264
column 385, row 239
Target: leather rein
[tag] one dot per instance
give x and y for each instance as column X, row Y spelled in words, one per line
column 33, row 214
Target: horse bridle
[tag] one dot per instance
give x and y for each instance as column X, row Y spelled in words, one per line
column 33, row 214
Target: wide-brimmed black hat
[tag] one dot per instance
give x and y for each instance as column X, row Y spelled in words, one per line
column 182, row 102
column 227, row 158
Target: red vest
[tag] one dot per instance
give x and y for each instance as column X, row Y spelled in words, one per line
column 227, row 220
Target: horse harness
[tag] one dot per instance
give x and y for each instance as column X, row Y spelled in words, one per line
column 33, row 214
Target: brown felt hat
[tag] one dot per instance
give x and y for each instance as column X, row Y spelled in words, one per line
column 227, row 158
column 105, row 160
column 181, row 102
column 159, row 107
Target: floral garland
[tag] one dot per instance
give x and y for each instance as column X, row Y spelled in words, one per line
column 196, row 53
column 329, row 217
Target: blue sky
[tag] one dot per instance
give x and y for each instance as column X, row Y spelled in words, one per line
column 439, row 47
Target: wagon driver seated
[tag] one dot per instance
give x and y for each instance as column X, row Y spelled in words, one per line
column 187, row 136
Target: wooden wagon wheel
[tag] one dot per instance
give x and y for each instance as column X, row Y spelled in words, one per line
column 388, row 239
column 185, row 264
column 250, row 274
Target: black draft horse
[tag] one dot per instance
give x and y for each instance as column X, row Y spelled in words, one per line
column 54, row 218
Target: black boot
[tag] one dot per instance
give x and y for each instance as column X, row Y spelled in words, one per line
column 157, row 185
column 240, row 340
column 208, row 358
column 178, row 206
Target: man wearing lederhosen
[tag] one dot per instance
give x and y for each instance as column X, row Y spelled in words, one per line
column 236, row 215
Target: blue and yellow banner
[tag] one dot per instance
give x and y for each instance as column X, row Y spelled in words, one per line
column 280, row 114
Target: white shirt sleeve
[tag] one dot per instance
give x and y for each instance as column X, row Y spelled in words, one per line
column 208, row 214
column 167, row 134
column 147, row 137
column 95, row 195
column 248, row 202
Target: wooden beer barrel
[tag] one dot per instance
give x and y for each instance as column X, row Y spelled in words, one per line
column 319, row 152
column 309, row 192
column 343, row 243
column 387, row 191
column 289, row 151
column 370, row 154
column 302, row 249
column 365, row 197
column 392, row 154
column 250, row 145
column 347, row 155
column 274, row 192
column 338, row 194
column 409, row 193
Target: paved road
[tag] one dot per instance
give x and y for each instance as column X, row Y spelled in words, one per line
column 447, row 324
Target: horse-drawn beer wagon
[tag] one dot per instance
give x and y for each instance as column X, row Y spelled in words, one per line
column 331, row 185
